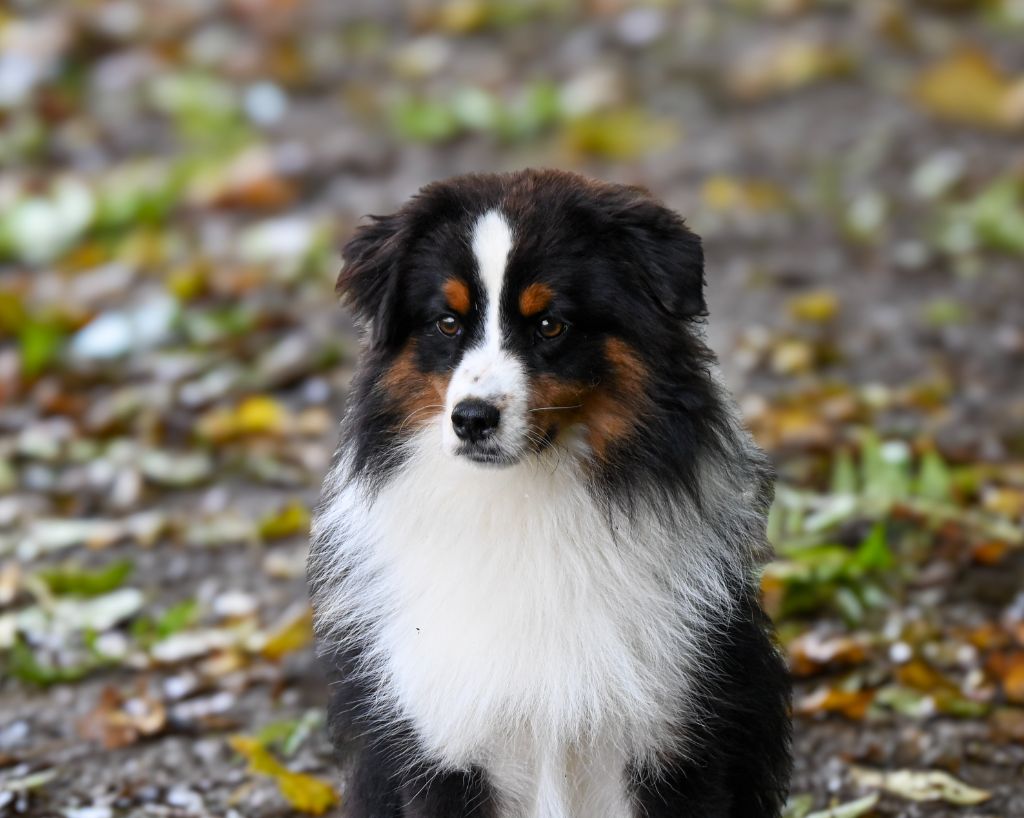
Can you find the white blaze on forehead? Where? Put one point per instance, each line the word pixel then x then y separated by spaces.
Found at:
pixel 492 243
pixel 486 371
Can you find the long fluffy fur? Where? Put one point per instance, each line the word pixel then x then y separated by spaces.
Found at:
pixel 575 635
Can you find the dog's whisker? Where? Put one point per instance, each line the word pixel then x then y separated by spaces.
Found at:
pixel 556 408
pixel 415 412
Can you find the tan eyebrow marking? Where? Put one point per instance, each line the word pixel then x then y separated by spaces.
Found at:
pixel 535 298
pixel 457 294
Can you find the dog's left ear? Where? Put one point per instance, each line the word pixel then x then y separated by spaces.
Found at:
pixel 668 256
pixel 369 280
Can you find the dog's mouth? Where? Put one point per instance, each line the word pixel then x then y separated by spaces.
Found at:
pixel 496 458
pixel 500 456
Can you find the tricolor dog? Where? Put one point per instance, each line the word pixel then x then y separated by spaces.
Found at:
pixel 534 565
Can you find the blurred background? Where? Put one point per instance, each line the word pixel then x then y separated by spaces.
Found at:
pixel 176 180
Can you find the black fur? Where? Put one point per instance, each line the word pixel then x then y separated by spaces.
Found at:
pixel 625 267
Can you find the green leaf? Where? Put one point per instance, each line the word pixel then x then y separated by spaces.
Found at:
pixel 844 475
pixel 288 736
pixel 849 606
pixel 176 618
pixel 22 664
pixel 72 580
pixel 998 216
pixel 40 343
pixel 874 553
pixel 798 806
pixel 423 120
pixel 934 481
pixel 851 809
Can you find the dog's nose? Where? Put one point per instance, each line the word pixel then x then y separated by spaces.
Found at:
pixel 474 419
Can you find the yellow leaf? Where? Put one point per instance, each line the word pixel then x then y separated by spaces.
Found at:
pixel 462 16
pixel 816 308
pixel 289 520
pixel 968 87
pixel 618 134
pixel 786 65
pixel 293 635
pixel 792 356
pixel 260 414
pixel 305 793
pixel 256 415
pixel 727 193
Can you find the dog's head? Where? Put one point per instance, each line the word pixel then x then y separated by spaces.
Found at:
pixel 521 311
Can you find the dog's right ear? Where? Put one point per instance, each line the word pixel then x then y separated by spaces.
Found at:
pixel 368 282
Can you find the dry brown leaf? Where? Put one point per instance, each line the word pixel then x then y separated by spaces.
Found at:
pixel 852 704
pixel 989 552
pixel 120 721
pixel 923 677
pixel 1008 724
pixel 1008 667
pixel 812 653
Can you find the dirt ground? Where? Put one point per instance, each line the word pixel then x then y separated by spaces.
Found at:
pixel 854 280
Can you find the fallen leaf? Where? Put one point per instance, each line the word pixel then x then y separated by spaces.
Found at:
pixel 304 792
pixel 256 415
pixel 989 552
pixel 728 193
pixel 921 676
pixel 1008 667
pixel 792 356
pixel 928 785
pixel 77 581
pixel 288 521
pixel 969 87
pixel 812 653
pixel 294 634
pixel 851 809
pixel 1008 724
pixel 819 307
pixel 786 65
pixel 23 664
pixel 29 782
pixel 120 721
pixel 852 704
pixel 1009 502
pixel 618 134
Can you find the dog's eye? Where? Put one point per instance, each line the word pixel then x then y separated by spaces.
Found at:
pixel 548 328
pixel 449 325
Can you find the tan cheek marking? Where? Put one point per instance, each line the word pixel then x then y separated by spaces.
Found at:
pixel 535 299
pixel 457 295
pixel 555 404
pixel 609 411
pixel 615 406
pixel 418 395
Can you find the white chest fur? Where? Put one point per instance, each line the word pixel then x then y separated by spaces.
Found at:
pixel 514 629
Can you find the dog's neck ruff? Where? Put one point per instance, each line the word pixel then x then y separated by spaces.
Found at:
pixel 517 621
